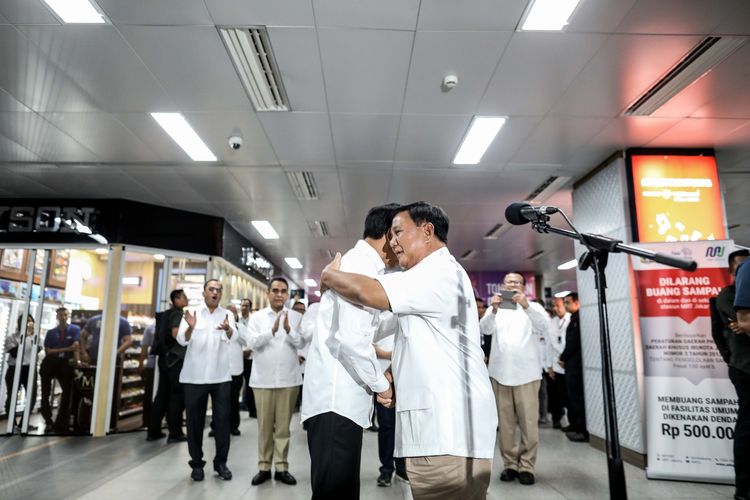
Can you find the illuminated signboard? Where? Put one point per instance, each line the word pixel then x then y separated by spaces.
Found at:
pixel 675 196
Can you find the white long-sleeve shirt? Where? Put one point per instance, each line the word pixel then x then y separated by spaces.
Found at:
pixel 275 363
pixel 207 359
pixel 343 370
pixel 514 358
pixel 556 340
pixel 236 358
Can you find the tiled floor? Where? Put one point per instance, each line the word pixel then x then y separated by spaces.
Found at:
pixel 126 466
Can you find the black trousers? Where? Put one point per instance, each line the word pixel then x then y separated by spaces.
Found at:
pixel 148 395
pixel 576 399
pixel 248 398
pixel 386 441
pixel 234 403
pixel 196 403
pixel 741 381
pixel 557 392
pixel 59 369
pixel 335 444
pixel 9 374
pixel 170 399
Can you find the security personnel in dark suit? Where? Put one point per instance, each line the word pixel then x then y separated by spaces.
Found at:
pixel 572 360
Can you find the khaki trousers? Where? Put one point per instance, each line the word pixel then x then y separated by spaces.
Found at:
pixel 275 407
pixel 449 477
pixel 518 406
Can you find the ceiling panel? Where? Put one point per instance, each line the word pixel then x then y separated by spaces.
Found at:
pixel 483 15
pixel 265 184
pixel 27 12
pixel 631 131
pixel 703 132
pixel 163 12
pixel 737 22
pixel 12 151
pixel 430 138
pixel 215 184
pixel 102 134
pixel 40 137
pixel 261 12
pixel 469 55
pixel 677 16
pixel 191 64
pixel 300 138
pixel 364 137
pixel 102 64
pixel 166 183
pixel 601 16
pixel 298 59
pixel 732 103
pixel 555 139
pixel 89 183
pixel 535 70
pixel 624 68
pixel 384 14
pixel 10 103
pixel 21 186
pixel 365 70
pixel 508 140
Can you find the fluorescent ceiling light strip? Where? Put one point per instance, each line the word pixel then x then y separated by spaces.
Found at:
pixel 293 262
pixel 568 265
pixel 265 229
pixel 560 295
pixel 310 282
pixel 76 11
pixel 549 15
pixel 481 133
pixel 183 134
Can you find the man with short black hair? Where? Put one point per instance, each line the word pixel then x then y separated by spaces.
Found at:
pixel 445 412
pixel 170 395
pixel 61 344
pixel 207 333
pixel 274 337
pixel 248 399
pixel 572 361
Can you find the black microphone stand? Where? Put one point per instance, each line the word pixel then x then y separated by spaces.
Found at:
pixel 598 249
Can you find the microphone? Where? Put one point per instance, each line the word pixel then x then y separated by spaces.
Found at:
pixel 519 213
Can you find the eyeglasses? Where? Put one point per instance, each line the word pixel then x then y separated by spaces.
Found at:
pixel 214 289
pixel 513 282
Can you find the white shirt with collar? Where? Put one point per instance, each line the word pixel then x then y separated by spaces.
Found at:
pixel 236 358
pixel 343 370
pixel 242 323
pixel 208 355
pixel 514 358
pixel 556 343
pixel 275 363
pixel 28 349
pixel 444 400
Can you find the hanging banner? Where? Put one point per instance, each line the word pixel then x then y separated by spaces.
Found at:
pixel 691 406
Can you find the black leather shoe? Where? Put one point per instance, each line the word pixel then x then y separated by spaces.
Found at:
pixel 384 480
pixel 526 478
pixel 223 472
pixel 177 439
pixel 578 437
pixel 155 438
pixel 567 428
pixel 261 477
pixel 508 475
pixel 235 432
pixel 197 474
pixel 285 478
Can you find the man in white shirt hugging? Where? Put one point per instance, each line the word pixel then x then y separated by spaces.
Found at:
pixel 207 333
pixel 445 415
pixel 273 336
pixel 516 377
pixel 343 371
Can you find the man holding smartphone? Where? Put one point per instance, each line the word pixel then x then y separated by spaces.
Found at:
pixel 516 325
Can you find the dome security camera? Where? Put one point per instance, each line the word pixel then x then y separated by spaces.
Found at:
pixel 235 142
pixel 450 81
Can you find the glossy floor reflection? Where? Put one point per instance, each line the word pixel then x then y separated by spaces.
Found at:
pixel 126 466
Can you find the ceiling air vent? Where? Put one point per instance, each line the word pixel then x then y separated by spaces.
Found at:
pixel 496 231
pixel 536 255
pixel 469 254
pixel 696 64
pixel 319 228
pixel 547 188
pixel 303 185
pixel 253 59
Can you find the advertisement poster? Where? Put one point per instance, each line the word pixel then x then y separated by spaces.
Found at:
pixel 691 406
pixel 677 197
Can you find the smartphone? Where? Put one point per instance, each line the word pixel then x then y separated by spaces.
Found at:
pixel 507 302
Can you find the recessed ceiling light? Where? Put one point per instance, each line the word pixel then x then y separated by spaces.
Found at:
pixel 310 282
pixel 102 251
pixel 76 11
pixel 560 295
pixel 159 256
pixel 548 15
pixel 568 265
pixel 183 134
pixel 265 229
pixel 293 262
pixel 481 133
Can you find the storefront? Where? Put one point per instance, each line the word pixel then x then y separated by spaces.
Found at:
pixel 55 255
